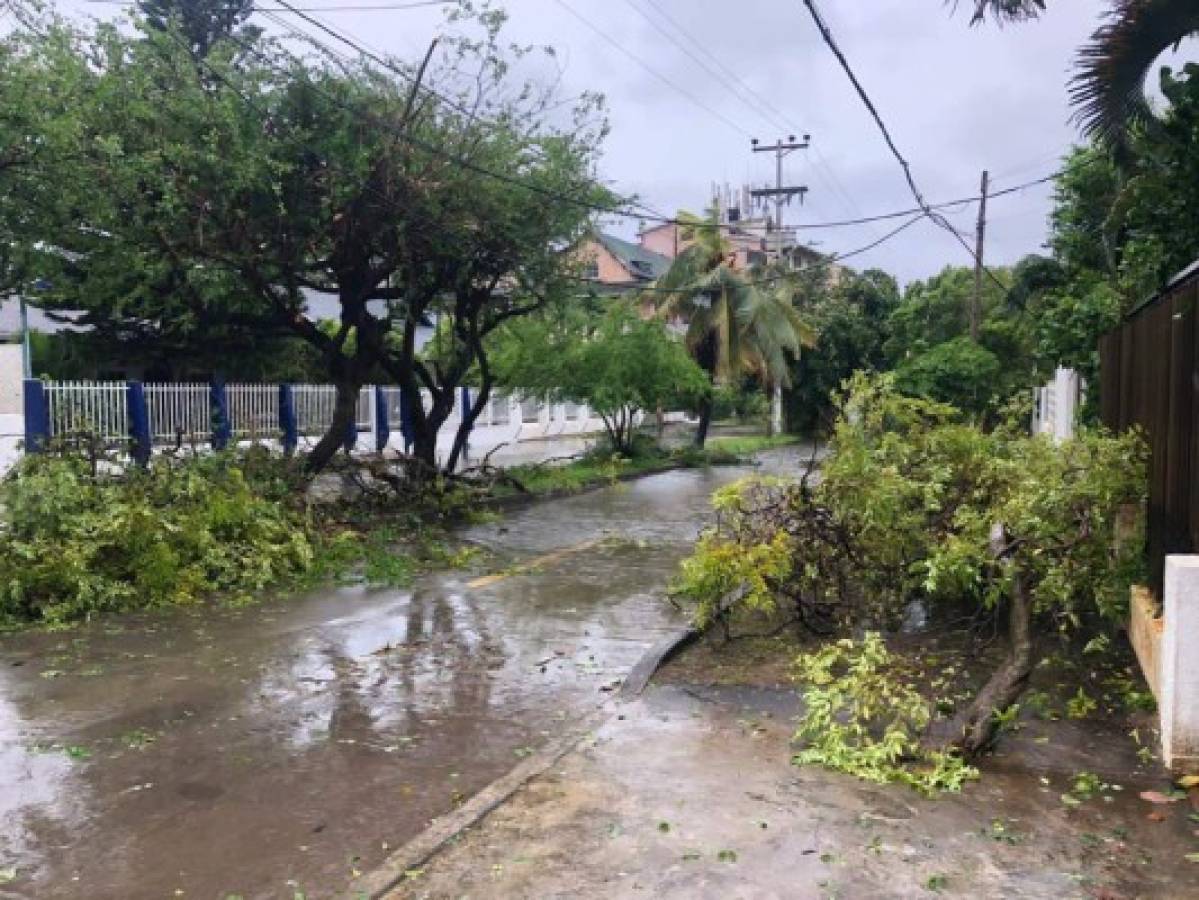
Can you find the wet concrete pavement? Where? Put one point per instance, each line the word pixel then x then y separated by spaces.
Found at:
pixel 690 794
pixel 281 749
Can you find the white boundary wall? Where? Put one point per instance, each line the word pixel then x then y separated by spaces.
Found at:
pixel 1167 646
pixel 12 435
pixel 12 421
pixel 1179 676
pixel 1056 404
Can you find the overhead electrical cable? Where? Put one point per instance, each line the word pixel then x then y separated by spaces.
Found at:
pixel 833 46
pixel 603 35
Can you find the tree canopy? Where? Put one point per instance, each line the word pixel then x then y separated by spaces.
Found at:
pixel 612 360
pixel 213 198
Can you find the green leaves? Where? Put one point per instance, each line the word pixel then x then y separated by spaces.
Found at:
pixel 614 361
pixel 861 718
pixel 904 513
pixel 76 544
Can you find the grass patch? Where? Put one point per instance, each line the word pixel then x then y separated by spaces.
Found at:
pixel 591 470
pixel 602 466
pixel 747 445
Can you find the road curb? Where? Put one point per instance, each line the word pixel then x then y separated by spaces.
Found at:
pixel 383 881
pixel 662 652
pixel 656 657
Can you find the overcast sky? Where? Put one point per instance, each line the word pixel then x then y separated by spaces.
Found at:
pixel 957 100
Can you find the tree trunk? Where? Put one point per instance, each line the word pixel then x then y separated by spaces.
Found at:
pixel 974 729
pixel 427 428
pixel 705 419
pixel 345 412
pixel 469 416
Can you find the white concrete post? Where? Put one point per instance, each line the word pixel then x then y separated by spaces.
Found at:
pixel 1065 387
pixel 1179 700
pixel 776 410
pixel 372 397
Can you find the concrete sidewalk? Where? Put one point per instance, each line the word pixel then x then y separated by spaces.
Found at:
pixel 690 793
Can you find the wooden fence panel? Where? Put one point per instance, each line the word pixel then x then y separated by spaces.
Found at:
pixel 1149 378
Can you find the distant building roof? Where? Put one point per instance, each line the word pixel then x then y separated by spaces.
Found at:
pixel 645 265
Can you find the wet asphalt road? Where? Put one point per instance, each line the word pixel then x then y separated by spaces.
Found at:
pixel 283 748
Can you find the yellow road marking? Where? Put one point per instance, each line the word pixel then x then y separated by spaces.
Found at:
pixel 534 563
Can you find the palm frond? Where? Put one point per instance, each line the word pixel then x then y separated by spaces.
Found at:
pixel 1108 88
pixel 1003 11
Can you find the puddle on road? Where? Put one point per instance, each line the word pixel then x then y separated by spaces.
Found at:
pixel 285 747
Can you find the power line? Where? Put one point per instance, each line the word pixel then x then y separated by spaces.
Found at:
pixel 606 210
pixel 724 77
pixel 831 42
pixel 761 101
pixel 350 41
pixel 837 257
pixel 650 69
pixel 923 211
pixel 357 45
pixel 769 279
pixel 761 104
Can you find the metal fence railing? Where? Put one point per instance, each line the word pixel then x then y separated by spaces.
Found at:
pixel 87 407
pixel 142 416
pixel 253 410
pixel 179 411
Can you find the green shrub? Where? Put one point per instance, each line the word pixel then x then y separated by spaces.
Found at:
pixel 73 543
pixel 862 718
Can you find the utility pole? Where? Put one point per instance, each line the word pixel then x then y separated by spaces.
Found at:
pixel 779 193
pixel 976 304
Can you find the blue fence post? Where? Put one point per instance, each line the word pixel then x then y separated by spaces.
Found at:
pixel 219 402
pixel 139 422
pixel 406 422
pixel 287 419
pixel 382 424
pixel 37 415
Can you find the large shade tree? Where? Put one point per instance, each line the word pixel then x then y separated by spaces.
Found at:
pixel 219 195
pixel 202 23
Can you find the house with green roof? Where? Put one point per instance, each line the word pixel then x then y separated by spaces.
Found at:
pixel 615 264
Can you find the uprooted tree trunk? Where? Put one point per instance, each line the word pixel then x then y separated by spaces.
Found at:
pixel 974 730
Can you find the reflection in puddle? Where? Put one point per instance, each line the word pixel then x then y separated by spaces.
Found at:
pixel 284 740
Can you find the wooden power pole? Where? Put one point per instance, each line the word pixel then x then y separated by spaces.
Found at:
pixel 976 303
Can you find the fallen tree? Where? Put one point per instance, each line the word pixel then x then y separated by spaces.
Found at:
pixel 916 505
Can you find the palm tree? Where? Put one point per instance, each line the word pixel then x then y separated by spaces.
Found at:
pixel 1108 88
pixel 735 324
